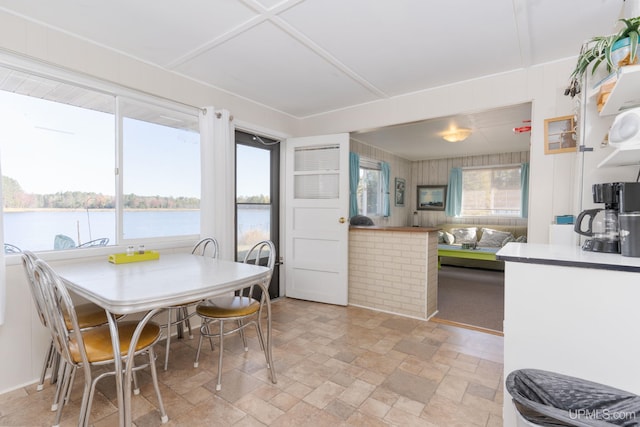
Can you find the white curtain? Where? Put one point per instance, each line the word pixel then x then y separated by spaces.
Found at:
pixel 3 276
pixel 217 202
pixel 207 157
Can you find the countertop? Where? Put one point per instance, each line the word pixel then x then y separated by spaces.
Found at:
pixel 404 229
pixel 566 255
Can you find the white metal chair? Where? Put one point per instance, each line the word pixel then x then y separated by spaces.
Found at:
pixel 205 247
pixel 61 241
pixel 84 349
pixel 245 307
pixel 52 359
pixel 89 316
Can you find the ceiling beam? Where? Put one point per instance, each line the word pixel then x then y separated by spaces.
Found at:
pixel 521 18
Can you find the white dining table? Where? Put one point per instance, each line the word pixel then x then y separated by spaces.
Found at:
pixel 150 286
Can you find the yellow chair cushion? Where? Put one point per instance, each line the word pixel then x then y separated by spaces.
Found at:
pixel 97 341
pixel 225 307
pixel 89 315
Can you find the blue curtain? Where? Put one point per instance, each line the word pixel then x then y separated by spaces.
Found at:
pixel 384 175
pixel 454 193
pixel 354 178
pixel 524 185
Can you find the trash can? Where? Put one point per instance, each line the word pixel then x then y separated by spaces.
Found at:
pixel 544 398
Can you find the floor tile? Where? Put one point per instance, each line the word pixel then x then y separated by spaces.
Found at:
pixel 336 366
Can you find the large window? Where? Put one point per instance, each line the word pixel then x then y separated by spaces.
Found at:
pixel 161 172
pixel 370 188
pixel 62 161
pixel 492 191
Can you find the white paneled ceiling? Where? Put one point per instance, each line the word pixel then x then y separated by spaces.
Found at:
pixel 307 57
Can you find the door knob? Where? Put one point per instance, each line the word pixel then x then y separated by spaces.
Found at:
pixel 342 220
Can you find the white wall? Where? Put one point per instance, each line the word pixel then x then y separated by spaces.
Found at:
pixel 551 176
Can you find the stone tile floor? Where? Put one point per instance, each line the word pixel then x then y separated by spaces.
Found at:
pixel 336 366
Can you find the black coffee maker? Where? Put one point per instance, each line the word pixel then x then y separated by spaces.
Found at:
pixel 629 218
pixel 608 232
pixel 603 223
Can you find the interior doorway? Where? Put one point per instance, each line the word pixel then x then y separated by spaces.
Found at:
pixel 257 196
pixel 471 298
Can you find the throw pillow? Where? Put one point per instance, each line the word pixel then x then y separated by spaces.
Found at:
pixel 508 239
pixel 465 235
pixel 440 236
pixel 522 239
pixel 493 238
pixel 449 239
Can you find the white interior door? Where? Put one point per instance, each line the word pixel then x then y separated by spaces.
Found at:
pixel 317 212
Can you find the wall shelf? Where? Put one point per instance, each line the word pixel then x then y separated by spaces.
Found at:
pixel 622 156
pixel 624 95
pixel 626 92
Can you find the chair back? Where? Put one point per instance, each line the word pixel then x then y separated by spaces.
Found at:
pixel 103 241
pixel 262 253
pixel 28 262
pixel 57 303
pixel 11 249
pixel 207 247
pixel 63 242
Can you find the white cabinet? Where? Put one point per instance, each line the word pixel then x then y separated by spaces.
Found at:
pixel 570 311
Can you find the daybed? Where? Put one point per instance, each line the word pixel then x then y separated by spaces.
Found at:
pixel 475 245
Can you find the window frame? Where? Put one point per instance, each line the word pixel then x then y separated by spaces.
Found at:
pixel 493 168
pixel 375 165
pixel 120 171
pixel 50 72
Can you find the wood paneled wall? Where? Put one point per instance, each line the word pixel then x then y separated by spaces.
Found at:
pixel 399 168
pixel 436 172
pixel 432 172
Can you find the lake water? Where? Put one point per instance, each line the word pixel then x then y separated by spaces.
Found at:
pixel 36 231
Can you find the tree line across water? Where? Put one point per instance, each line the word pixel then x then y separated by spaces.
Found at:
pixel 15 197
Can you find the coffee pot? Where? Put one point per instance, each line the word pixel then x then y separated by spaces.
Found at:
pixel 603 223
pixel 602 227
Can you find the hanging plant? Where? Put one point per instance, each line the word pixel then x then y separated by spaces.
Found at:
pixel 603 50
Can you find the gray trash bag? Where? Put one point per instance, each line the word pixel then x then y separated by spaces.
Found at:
pixel 551 399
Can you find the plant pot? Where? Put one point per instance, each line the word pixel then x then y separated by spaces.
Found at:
pixel 620 53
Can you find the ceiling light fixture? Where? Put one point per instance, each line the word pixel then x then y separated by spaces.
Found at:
pixel 456 135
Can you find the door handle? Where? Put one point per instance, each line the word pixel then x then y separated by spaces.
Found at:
pixel 342 220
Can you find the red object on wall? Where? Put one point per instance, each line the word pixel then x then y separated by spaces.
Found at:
pixel 522 129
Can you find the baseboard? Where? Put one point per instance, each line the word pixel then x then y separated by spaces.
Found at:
pixel 465 326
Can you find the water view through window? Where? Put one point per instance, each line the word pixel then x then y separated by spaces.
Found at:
pixel 253 200
pixel 60 171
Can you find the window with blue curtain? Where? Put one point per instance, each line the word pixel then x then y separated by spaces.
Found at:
pixel 454 193
pixel 488 191
pixel 354 179
pixel 524 185
pixel 384 175
pixel 369 187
